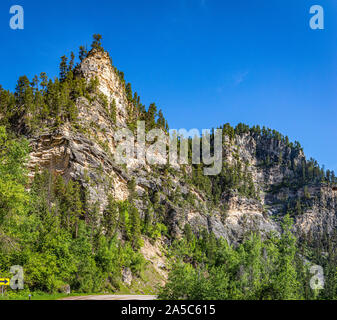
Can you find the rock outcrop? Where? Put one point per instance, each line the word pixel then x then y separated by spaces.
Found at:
pixel 85 152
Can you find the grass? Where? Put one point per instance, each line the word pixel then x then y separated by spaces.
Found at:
pixel 41 296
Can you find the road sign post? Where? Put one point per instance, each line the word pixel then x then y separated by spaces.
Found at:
pixel 4 282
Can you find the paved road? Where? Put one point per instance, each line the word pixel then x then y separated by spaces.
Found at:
pixel 113 297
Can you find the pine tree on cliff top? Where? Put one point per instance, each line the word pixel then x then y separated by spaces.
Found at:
pixel 97 44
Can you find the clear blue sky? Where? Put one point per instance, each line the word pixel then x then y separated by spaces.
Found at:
pixel 204 62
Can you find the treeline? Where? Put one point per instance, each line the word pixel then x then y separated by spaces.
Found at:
pixel 237 177
pixel 42 101
pixel 265 133
pixel 308 170
pixel 154 118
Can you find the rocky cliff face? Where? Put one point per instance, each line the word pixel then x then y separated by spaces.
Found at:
pixel 320 218
pixel 85 152
pixel 98 65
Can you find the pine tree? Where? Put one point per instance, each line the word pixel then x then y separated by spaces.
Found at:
pixel 280 158
pixel 148 221
pixel 35 83
pixel 188 232
pixel 21 90
pixel 135 227
pixel 113 111
pixel 82 53
pixel 132 189
pixel 111 218
pixel 161 122
pixel 76 206
pixel 44 80
pixel 25 101
pixel 63 68
pixel 287 285
pixel 96 44
pixel 298 207
pixel 72 61
pixel 151 117
pixel 128 91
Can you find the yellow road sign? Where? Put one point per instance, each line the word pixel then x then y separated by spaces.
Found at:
pixel 4 282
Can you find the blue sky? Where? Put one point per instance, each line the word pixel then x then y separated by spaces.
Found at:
pixel 204 62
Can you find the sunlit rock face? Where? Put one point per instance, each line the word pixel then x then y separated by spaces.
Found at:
pixel 85 153
pixel 98 65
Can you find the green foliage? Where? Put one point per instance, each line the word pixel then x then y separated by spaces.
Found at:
pixel 63 68
pixel 82 53
pixel 44 102
pixel 228 130
pixel 151 116
pixel 60 238
pixel 113 111
pixel 132 189
pixel 54 233
pixel 51 104
pixel 13 197
pixel 232 178
pixel 255 270
pixel 97 44
pixel 135 228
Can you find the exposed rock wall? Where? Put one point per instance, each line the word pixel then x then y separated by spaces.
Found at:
pixel 87 151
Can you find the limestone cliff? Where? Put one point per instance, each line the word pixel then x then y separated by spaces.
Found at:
pixel 85 152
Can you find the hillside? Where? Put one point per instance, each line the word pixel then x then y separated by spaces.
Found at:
pixel 71 123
